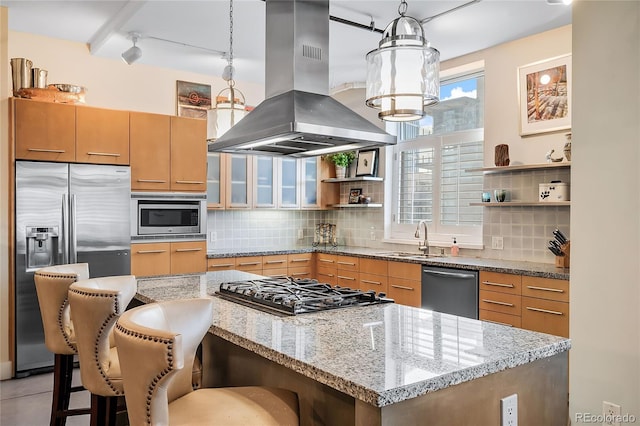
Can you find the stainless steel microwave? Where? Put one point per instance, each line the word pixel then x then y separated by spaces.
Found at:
pixel 168 215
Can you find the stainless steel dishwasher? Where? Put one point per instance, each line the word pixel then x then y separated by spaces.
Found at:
pixel 450 291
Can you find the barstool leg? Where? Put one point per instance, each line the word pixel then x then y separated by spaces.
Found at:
pixel 104 410
pixel 62 374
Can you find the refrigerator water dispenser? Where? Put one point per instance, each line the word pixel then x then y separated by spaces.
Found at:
pixel 42 246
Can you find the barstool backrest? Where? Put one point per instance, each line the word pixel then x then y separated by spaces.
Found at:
pixel 96 304
pixel 52 285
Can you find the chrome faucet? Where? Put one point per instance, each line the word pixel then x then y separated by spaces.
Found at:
pixel 423 246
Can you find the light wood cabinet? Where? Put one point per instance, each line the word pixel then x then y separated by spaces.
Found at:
pixel 300 265
pixel 326 268
pixel 545 305
pixel 405 283
pixel 251 264
pixel 102 136
pixel 373 275
pixel 185 257
pixel 188 154
pixel 221 264
pixel 44 130
pixel 239 178
pixel 499 298
pixel 216 180
pixel 347 271
pixel 150 149
pixel 275 265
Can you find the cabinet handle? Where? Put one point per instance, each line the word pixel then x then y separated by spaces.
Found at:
pixel 248 263
pixel 55 151
pixel 498 284
pixel 295 274
pixel 346 263
pixel 271 262
pixel 346 278
pixel 497 303
pixel 190 182
pixel 371 282
pixel 299 260
pixel 401 287
pixel 221 265
pixel 544 311
pixel 105 154
pixel 498 322
pixel 326 275
pixel 555 290
pixel 152 180
pixel 326 260
pixel 188 249
pixel 150 251
pixel 278 276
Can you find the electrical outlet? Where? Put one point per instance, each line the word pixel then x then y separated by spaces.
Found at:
pixel 611 413
pixel 213 236
pixel 509 410
pixel 496 243
pixel 300 234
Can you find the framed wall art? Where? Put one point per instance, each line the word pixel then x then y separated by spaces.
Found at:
pixel 354 195
pixel 544 91
pixel 367 163
pixel 193 100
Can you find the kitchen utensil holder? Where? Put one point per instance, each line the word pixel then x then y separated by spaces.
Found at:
pixel 563 261
pixel 325 234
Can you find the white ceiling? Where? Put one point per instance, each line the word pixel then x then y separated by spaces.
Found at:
pixel 104 25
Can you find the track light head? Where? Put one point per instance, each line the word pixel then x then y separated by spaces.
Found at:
pixel 133 53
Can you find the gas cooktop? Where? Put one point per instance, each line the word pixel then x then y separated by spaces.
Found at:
pixel 291 296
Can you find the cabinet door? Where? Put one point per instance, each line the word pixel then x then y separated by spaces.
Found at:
pixel 264 181
pixel 216 172
pixel 188 257
pixel 368 281
pixel 149 259
pixel 274 265
pixel 221 264
pixel 545 288
pixel 238 190
pixel 545 316
pixel 300 265
pixel 188 154
pixel 44 131
pixel 503 283
pixel 288 183
pixel 250 264
pixel 310 196
pixel 102 136
pixel 150 146
pixel 405 291
pixel 348 263
pixel 499 302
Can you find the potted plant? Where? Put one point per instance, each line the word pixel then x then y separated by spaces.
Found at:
pixel 341 160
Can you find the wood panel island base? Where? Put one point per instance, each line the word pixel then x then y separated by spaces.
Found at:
pixel 378 365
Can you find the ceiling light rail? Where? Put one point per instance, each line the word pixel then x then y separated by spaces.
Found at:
pixel 446 12
pixel 179 43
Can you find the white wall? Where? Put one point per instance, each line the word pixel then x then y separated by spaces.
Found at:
pixel 112 83
pixel 605 208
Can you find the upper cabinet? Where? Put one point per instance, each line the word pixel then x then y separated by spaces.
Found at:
pixel 216 185
pixel 102 136
pixel 44 130
pixel 168 153
pixel 70 133
pixel 239 186
pixel 188 154
pixel 150 151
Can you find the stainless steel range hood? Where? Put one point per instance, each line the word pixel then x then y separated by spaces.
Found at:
pixel 298 118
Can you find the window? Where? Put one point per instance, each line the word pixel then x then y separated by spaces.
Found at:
pixel 430 181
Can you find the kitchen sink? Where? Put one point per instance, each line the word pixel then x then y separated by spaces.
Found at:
pixel 409 255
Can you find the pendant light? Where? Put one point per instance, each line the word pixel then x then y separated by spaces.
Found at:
pixel 230 102
pixel 403 74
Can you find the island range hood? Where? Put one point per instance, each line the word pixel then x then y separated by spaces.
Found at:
pixel 298 118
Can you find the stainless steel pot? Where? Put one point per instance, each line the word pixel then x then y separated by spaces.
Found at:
pixel 21 73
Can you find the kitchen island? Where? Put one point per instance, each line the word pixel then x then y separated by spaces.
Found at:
pixel 381 364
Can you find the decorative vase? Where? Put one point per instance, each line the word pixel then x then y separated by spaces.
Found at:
pixel 567 147
pixel 502 155
pixel 340 172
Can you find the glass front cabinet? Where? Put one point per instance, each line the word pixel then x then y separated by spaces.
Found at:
pixel 216 172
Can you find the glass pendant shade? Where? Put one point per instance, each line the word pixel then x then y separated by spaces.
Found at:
pixel 403 74
pixel 229 109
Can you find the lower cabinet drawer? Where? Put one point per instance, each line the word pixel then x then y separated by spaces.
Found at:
pixel 299 272
pixel 275 272
pixel 221 264
pixel 405 292
pixel 499 302
pixel 327 275
pixel 150 259
pixel 377 283
pixel 545 316
pixel 249 263
pixel 500 318
pixel 347 279
pixel 188 257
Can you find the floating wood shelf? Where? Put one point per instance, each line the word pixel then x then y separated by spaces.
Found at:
pixel 354 179
pixel 352 206
pixel 523 204
pixel 520 167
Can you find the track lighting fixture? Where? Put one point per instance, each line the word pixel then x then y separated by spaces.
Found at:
pixel 133 53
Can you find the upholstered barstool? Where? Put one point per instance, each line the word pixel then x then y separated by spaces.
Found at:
pixel 52 284
pixel 95 305
pixel 157 345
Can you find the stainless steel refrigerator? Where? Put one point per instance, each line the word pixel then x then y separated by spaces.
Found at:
pixel 65 213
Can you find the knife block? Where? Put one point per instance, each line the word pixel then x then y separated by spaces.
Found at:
pixel 563 261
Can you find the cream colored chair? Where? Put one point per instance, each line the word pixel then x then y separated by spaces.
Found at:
pixel 52 284
pixel 96 304
pixel 157 344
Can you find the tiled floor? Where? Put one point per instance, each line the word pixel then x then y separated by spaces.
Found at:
pixel 27 401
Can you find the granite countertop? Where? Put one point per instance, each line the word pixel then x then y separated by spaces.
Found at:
pixel 545 270
pixel 380 354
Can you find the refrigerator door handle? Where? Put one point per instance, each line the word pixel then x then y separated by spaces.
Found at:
pixel 65 227
pixel 73 243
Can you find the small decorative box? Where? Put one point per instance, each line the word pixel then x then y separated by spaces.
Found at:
pixel 553 192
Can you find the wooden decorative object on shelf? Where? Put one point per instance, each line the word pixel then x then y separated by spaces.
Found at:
pixel 51 94
pixel 502 155
pixel 564 261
